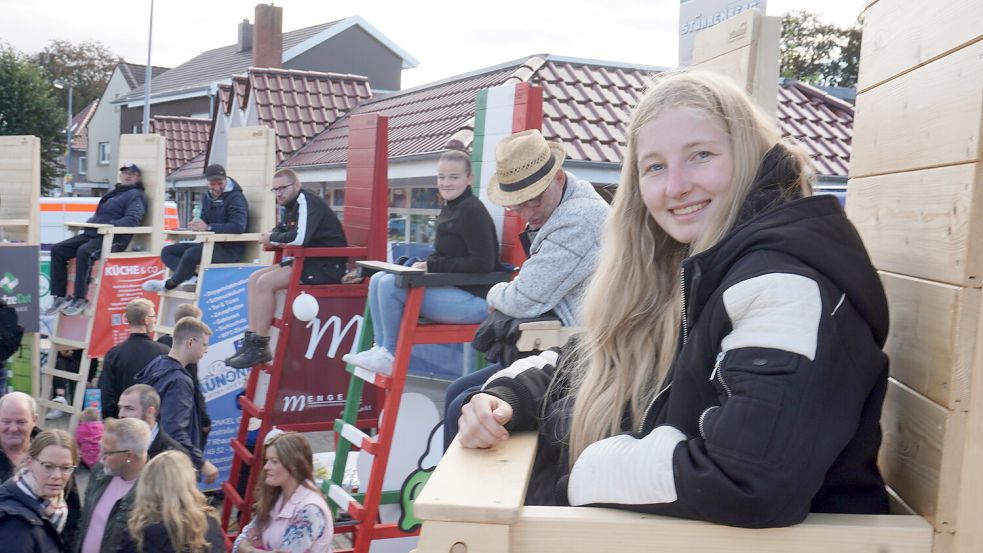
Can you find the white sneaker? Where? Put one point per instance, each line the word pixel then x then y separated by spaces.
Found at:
pixel 154 286
pixel 56 413
pixel 377 359
pixel 351 358
pixel 189 285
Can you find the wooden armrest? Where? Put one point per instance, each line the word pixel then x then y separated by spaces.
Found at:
pixel 125 230
pixel 541 325
pixel 186 233
pixel 388 267
pixel 346 251
pixel 542 335
pixel 15 223
pixel 243 237
pixel 479 485
pixel 87 225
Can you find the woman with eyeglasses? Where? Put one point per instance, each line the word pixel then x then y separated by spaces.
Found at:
pixel 466 242
pixel 33 511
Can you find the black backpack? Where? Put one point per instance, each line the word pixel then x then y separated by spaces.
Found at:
pixel 10 333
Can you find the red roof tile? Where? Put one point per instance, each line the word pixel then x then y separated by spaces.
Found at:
pixel 193 169
pixel 80 126
pixel 819 122
pixel 186 138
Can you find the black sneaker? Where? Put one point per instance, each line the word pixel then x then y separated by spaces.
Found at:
pixel 253 352
pixel 57 304
pixel 77 306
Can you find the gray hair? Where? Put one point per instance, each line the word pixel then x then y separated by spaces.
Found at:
pixel 131 434
pixel 32 404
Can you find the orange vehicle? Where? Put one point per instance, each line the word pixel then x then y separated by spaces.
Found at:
pixel 55 212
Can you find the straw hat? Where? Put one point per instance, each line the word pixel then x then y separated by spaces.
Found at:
pixel 525 165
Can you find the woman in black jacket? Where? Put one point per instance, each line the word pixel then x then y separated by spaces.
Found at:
pixel 170 510
pixel 33 511
pixel 731 369
pixel 466 242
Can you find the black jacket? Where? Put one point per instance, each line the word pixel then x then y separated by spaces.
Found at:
pixel 122 363
pixel 156 540
pixel 466 241
pixel 178 415
pixel 227 214
pixel 23 528
pixel 163 442
pixel 771 407
pixel 118 515
pixel 123 206
pixel 308 221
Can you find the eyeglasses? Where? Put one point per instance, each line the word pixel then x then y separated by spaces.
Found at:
pixel 108 453
pixel 528 204
pixel 51 468
pixel 279 189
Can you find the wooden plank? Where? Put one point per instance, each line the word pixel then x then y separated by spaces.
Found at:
pixel 147 151
pixel 935 213
pixel 461 537
pixel 969 533
pixel 252 163
pixel 933 337
pixel 921 454
pixel 20 182
pixel 588 529
pixel 902 35
pixel 479 485
pixel 929 117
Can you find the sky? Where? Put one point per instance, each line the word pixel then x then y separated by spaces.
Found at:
pixel 447 38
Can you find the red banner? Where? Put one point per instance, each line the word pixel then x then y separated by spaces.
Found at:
pixel 122 281
pixel 314 383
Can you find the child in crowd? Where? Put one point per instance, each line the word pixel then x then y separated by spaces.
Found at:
pixel 88 435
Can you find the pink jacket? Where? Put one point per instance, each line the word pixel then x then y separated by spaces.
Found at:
pixel 88 436
pixel 303 525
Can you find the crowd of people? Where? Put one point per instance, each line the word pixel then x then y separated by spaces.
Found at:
pixel 728 368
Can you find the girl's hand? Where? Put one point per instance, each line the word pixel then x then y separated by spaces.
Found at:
pixel 420 265
pixel 483 420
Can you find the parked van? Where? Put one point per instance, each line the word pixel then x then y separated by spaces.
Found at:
pixel 55 212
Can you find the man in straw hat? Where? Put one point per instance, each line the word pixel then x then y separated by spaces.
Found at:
pixel 563 217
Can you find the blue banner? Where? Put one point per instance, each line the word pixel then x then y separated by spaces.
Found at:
pixel 223 302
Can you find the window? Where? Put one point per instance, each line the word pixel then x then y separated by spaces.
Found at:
pixel 104 153
pixel 83 161
pixel 416 222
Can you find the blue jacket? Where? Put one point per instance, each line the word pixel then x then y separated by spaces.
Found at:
pixel 178 416
pixel 227 214
pixel 23 528
pixel 124 206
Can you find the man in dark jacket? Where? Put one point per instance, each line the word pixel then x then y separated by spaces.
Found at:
pixel 168 376
pixel 112 486
pixel 124 206
pixel 140 401
pixel 224 211
pixel 306 221
pixel 126 359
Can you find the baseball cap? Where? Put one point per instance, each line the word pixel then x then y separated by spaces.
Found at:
pixel 215 171
pixel 132 168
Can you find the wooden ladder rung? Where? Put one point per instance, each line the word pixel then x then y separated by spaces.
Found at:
pixel 344 501
pixel 75 344
pixel 68 408
pixel 373 378
pixel 355 436
pixel 74 377
pixel 243 452
pixel 180 294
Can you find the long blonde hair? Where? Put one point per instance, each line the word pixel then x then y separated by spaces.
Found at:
pixel 167 493
pixel 632 308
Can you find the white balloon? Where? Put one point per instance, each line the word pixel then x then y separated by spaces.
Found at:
pixel 305 307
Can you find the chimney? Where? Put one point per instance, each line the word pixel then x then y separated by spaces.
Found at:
pixel 245 41
pixel 268 36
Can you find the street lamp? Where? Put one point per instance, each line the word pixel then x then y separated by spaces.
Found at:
pixel 68 133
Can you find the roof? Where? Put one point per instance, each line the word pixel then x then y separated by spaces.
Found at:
pixel 134 74
pixel 218 64
pixel 193 169
pixel 819 122
pixel 186 138
pixel 586 105
pixel 80 126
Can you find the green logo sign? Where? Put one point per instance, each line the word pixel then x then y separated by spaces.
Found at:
pixel 9 282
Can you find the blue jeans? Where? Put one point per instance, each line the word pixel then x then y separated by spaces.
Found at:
pixel 441 304
pixel 458 391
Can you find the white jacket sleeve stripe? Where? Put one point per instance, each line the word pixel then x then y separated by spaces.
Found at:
pixel 533 362
pixel 777 311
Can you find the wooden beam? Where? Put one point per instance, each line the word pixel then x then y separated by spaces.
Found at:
pixel 20 187
pixel 921 454
pixel 930 117
pixel 900 35
pixel 463 537
pixel 933 337
pixel 925 223
pixel 147 151
pixel 969 533
pixel 251 161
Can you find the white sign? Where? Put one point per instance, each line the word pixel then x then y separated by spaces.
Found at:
pixel 697 15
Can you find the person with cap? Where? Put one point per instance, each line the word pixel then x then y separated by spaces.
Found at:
pixel 306 221
pixel 564 217
pixel 224 210
pixel 124 206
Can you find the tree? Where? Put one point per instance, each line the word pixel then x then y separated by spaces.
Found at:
pixel 86 65
pixel 28 106
pixel 818 53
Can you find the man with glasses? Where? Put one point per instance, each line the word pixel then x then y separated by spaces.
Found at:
pixel 170 379
pixel 306 221
pixel 112 486
pixel 224 210
pixel 127 358
pixel 564 217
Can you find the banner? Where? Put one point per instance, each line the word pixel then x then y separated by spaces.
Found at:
pixel 223 302
pixel 313 381
pixel 697 15
pixel 19 283
pixel 122 282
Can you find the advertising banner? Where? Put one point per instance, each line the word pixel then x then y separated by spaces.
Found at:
pixel 122 282
pixel 223 302
pixel 697 15
pixel 19 283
